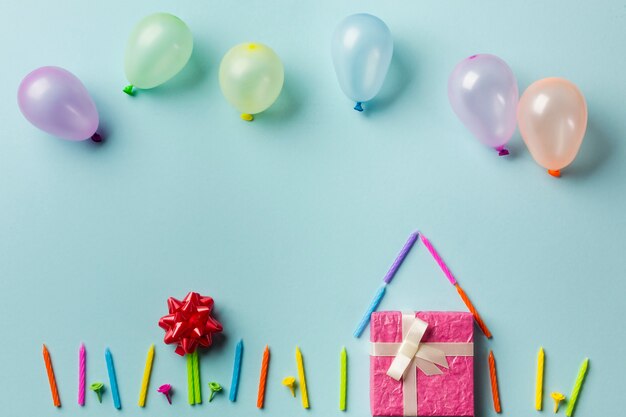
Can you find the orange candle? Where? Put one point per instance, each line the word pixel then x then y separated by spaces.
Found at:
pixel 263 379
pixel 494 383
pixel 472 309
pixel 51 379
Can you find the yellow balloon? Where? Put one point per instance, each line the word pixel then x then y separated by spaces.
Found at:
pixel 251 78
pixel 552 118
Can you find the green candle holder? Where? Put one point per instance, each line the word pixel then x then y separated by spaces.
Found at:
pixel 98 388
pixel 215 388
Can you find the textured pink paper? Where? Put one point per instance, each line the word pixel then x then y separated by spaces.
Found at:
pixel 450 394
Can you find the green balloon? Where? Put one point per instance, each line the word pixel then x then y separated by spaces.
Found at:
pixel 157 49
pixel 251 78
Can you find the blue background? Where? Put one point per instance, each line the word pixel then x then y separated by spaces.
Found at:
pixel 291 221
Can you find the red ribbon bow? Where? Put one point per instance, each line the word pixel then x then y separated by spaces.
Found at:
pixel 189 323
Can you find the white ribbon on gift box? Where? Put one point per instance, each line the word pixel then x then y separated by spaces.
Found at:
pixel 412 353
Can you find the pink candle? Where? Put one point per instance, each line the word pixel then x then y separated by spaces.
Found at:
pixel 82 361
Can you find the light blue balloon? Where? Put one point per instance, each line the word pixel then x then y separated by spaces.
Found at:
pixel 362 47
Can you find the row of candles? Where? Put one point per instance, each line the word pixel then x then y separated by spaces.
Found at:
pixel 193 379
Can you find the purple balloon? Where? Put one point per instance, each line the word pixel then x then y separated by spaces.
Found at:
pixel 483 93
pixel 54 100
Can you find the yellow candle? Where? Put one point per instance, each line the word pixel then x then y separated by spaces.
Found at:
pixel 343 379
pixel 539 384
pixel 302 379
pixel 146 377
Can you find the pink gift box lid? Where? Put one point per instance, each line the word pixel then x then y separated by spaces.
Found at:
pixel 449 394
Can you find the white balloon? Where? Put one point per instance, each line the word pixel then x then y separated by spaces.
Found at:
pixel 362 48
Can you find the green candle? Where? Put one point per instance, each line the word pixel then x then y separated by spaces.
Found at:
pixel 577 387
pixel 343 385
pixel 190 390
pixel 196 379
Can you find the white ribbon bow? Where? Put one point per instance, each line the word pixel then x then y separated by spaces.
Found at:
pixel 426 357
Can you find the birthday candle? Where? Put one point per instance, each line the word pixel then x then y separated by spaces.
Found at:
pixel 234 384
pixel 439 260
pixel 400 258
pixel 302 379
pixel 578 384
pixel 479 321
pixel 197 390
pixel 263 378
pixel 494 383
pixel 145 381
pixel 380 293
pixel 190 390
pixel 54 390
pixel 378 297
pixel 112 379
pixel 343 379
pixel 446 271
pixel 539 383
pixel 82 371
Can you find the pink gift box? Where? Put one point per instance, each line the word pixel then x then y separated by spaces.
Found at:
pixel 450 393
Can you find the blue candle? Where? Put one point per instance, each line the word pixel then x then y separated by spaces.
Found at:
pixel 112 379
pixel 378 297
pixel 234 384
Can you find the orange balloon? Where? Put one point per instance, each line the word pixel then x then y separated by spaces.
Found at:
pixel 552 118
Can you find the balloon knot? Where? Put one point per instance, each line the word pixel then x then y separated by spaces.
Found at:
pixel 96 137
pixel 358 106
pixel 502 151
pixel 129 89
pixel 554 172
pixel 247 117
